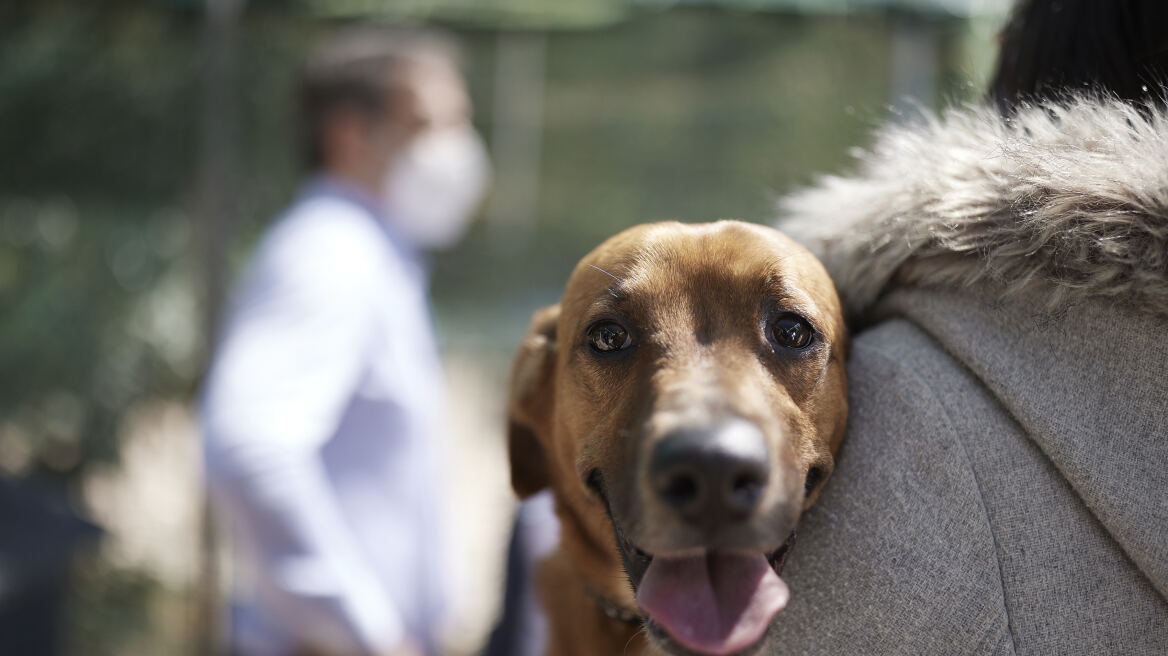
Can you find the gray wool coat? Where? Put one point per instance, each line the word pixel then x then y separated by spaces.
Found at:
pixel 1003 486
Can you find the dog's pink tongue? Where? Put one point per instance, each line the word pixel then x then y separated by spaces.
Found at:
pixel 715 603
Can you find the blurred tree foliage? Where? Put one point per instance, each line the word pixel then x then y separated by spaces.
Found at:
pixel 96 144
pixel 98 128
pixel 687 114
pixel 690 114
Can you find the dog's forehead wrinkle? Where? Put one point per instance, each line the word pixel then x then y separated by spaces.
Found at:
pixel 702 299
pixel 701 292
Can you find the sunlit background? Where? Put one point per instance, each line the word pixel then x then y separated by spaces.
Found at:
pixel 145 144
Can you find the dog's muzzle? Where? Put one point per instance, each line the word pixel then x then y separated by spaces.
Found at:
pixel 711 477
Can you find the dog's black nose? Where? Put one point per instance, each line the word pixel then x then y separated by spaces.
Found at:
pixel 712 475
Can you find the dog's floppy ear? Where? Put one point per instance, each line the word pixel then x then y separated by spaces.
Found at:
pixel 529 408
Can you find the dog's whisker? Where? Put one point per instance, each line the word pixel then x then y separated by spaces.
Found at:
pixel 607 274
pixel 644 629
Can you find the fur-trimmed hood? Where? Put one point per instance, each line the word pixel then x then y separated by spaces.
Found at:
pixel 1069 201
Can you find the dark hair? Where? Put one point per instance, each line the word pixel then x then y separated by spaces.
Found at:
pixel 1053 47
pixel 360 70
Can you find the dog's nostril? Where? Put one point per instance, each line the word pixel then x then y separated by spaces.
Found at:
pixel 744 492
pixel 680 489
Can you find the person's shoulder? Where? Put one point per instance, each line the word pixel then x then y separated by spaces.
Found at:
pixel 331 226
pixel 898 553
pixel 901 347
pixel 896 350
pixel 328 240
pixel 904 385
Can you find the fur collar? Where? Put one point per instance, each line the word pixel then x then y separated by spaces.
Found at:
pixel 1069 201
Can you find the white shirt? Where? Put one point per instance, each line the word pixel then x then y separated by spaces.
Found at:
pixel 321 420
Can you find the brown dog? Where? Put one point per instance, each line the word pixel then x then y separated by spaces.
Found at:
pixel 684 402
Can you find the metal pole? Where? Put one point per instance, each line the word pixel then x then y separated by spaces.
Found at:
pixel 218 207
pixel 516 137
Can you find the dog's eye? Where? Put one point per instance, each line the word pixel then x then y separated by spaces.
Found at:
pixel 609 337
pixel 792 331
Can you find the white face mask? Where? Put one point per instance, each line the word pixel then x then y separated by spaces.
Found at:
pixel 431 190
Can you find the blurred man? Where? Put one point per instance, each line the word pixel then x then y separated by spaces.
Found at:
pixel 322 409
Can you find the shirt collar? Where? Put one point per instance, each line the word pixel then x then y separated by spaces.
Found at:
pixel 324 184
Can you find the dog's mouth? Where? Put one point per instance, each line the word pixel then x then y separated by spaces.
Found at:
pixel 707 602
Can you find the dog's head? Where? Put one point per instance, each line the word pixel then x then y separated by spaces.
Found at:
pixel 685 402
